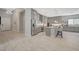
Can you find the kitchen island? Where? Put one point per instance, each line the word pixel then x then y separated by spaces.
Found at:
pixel 51 31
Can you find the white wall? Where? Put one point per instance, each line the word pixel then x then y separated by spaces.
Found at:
pixel 15 19
pixel 27 19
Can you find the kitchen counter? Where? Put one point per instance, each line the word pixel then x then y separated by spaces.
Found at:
pixel 51 31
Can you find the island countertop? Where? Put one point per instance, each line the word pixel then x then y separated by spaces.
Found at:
pixel 51 31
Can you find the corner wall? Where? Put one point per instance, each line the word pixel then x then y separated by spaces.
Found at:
pixel 28 22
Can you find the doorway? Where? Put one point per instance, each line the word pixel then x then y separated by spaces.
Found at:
pixel 22 22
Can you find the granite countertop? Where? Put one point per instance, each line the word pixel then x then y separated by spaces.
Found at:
pixel 52 27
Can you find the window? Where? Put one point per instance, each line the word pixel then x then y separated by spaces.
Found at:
pixel 73 22
pixel 76 21
pixel 70 22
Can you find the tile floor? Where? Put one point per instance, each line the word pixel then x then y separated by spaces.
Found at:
pixel 13 41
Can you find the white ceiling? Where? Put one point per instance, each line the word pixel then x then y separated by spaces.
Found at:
pixel 6 10
pixel 50 12
pixel 10 10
